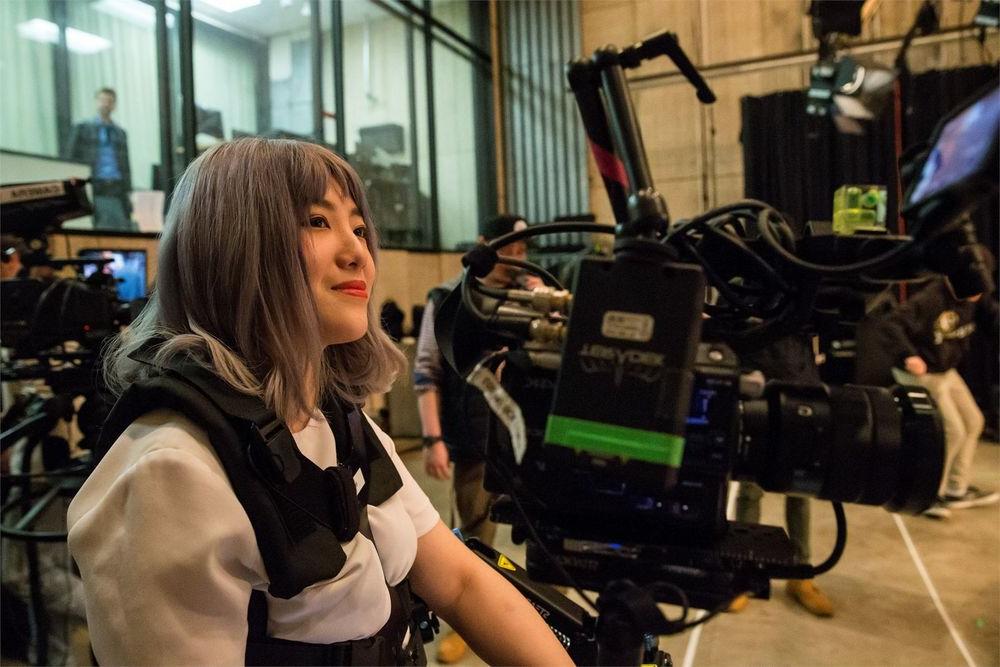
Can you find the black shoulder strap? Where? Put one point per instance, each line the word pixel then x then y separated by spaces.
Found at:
pixel 300 513
pixel 296 549
pixel 356 438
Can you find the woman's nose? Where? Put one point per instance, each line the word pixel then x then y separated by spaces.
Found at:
pixel 353 251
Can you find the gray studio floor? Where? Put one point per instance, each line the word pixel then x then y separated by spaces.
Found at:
pixel 908 591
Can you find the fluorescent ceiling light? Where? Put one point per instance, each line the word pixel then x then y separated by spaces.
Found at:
pixel 78 41
pixel 85 42
pixel 230 6
pixel 39 30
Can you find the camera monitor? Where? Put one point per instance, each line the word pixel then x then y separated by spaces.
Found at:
pixel 128 266
pixel 960 167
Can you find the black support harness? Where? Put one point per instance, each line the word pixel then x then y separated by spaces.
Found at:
pixel 300 513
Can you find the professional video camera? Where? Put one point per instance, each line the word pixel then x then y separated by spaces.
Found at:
pixel 624 412
pixel 42 313
pixel 52 331
pixel 53 327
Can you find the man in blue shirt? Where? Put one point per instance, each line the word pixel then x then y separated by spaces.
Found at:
pixel 104 146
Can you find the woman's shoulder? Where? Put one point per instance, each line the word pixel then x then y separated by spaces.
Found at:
pixel 159 430
pixel 158 440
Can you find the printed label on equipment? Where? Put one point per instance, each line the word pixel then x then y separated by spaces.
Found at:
pixel 627 326
pixel 17 193
pixel 505 563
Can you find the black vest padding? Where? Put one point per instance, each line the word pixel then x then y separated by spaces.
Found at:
pixel 299 512
pixel 385 648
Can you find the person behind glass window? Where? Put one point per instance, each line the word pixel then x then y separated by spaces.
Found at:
pixel 103 144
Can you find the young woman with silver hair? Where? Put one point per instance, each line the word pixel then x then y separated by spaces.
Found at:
pixel 196 549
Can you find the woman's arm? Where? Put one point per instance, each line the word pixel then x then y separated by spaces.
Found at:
pixel 500 625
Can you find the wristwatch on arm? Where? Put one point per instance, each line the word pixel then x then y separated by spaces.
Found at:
pixel 431 440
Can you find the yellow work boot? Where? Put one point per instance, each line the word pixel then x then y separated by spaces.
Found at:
pixel 738 604
pixel 451 649
pixel 807 594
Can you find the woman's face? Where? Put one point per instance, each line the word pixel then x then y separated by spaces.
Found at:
pixel 339 266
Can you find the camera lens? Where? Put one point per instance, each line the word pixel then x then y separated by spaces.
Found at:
pixel 852 444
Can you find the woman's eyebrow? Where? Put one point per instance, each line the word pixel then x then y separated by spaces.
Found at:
pixel 326 203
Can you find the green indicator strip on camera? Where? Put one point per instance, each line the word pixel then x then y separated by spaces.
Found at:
pixel 612 440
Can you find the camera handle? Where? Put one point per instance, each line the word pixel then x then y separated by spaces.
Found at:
pixel 613 130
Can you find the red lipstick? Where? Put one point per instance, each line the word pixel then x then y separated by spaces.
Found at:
pixel 357 288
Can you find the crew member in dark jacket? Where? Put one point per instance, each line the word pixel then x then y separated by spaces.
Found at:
pixel 454 415
pixel 104 146
pixel 932 331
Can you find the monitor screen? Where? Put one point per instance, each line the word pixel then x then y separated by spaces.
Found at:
pixel 127 266
pixel 961 149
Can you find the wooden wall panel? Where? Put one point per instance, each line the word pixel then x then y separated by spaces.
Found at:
pixel 685 197
pixel 671 127
pixel 744 29
pixel 624 22
pixel 679 17
pixel 607 22
pixel 406 277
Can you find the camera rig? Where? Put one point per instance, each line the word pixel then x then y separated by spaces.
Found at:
pixel 621 411
pixel 52 331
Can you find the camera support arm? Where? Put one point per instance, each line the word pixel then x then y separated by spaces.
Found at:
pixel 613 131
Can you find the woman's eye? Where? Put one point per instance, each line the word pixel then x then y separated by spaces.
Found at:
pixel 361 232
pixel 317 222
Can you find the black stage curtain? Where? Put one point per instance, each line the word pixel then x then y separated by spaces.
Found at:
pixel 795 162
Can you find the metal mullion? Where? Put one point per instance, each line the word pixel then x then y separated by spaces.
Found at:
pixel 483 116
pixel 549 111
pixel 565 121
pixel 534 30
pixel 580 152
pixel 61 78
pixel 431 134
pixel 317 69
pixel 434 23
pixel 411 80
pixel 337 55
pixel 513 39
pixel 189 125
pixel 166 108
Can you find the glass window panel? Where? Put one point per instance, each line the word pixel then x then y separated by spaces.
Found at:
pixel 454 14
pixel 28 110
pixel 331 70
pixel 379 123
pixel 114 111
pixel 253 69
pixel 456 116
pixel 117 52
